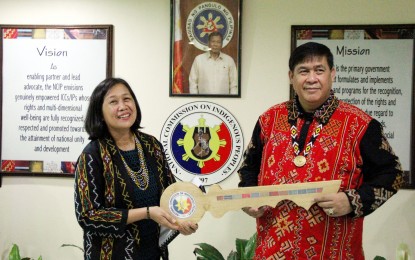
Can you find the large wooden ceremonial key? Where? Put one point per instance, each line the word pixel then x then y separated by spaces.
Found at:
pixel 188 203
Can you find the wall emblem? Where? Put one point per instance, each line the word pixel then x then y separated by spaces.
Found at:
pixel 202 139
pixel 206 18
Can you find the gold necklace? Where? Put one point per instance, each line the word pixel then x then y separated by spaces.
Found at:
pixel 139 177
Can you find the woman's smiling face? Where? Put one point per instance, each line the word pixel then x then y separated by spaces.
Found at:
pixel 119 109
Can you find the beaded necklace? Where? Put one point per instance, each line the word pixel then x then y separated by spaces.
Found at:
pixel 139 177
pixel 300 160
pixel 322 114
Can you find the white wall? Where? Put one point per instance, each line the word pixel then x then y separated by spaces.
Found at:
pixel 38 213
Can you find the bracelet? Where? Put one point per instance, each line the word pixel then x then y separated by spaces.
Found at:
pixel 148 213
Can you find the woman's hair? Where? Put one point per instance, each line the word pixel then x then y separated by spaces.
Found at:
pixel 95 125
pixel 310 50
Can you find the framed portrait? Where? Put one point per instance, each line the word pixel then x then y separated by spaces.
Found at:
pixel 375 71
pixel 48 73
pixel 205 51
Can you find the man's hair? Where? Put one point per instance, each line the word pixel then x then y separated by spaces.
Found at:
pixel 94 119
pixel 215 34
pixel 308 51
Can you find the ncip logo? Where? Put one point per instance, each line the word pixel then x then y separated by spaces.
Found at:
pixel 202 139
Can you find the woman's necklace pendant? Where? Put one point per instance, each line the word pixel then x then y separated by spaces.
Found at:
pixel 300 160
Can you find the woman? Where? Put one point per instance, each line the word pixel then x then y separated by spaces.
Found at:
pixel 120 176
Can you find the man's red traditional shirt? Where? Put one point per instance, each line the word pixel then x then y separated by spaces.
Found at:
pixel 350 147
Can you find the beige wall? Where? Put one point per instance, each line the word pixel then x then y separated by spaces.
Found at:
pixel 38 213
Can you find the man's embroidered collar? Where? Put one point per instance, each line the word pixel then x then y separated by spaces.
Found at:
pixel 322 114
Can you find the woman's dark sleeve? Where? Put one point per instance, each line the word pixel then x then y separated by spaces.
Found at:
pixel 90 209
pixel 249 171
pixel 168 177
pixel 381 172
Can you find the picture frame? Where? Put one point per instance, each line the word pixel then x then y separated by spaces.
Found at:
pixel 192 21
pixel 48 73
pixel 374 71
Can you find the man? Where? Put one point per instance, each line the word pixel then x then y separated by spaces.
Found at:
pixel 213 72
pixel 317 137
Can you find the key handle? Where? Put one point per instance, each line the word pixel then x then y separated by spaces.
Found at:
pixel 188 203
